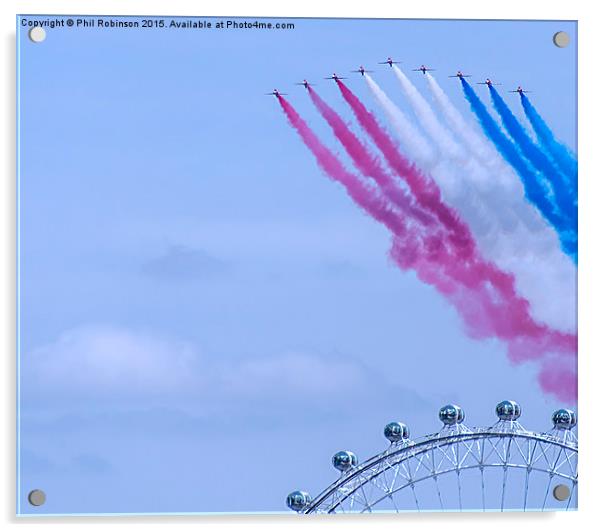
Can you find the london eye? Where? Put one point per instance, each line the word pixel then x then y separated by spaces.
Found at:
pixel 502 467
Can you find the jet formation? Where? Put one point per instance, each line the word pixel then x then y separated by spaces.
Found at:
pixel 422 68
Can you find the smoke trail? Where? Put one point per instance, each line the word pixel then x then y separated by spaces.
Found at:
pixel 367 163
pixel 367 198
pixel 424 188
pixel 479 148
pixel 561 154
pixel 427 118
pixel 559 378
pixel 564 199
pixel 533 188
pixel 413 249
pixel 510 231
pixel 406 236
pixel 503 315
pixel 475 270
pixel 419 149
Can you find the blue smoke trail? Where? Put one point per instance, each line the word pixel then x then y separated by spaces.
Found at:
pixel 534 190
pixel 565 199
pixel 564 158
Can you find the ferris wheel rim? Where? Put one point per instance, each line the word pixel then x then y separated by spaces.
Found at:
pixel 451 470
pixel 430 442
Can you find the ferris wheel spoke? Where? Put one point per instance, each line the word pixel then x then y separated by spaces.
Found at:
pixel 433 471
pixel 393 503
pixel 403 472
pixel 526 489
pixel 366 500
pixel 519 448
pixel 547 452
pixel 438 492
pixel 572 463
pixel 475 451
pixel 480 461
pixel 568 502
pixel 439 469
pixel 497 445
pixel 415 498
pixel 506 460
pixel 468 451
pixel 482 469
pixel 450 456
pixel 410 481
pixel 563 459
pixel 420 463
pixel 459 490
pixel 545 497
pixel 528 462
pixel 505 478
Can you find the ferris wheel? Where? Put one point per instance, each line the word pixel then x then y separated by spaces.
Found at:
pixel 503 467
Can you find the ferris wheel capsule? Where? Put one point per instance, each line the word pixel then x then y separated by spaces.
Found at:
pixel 344 461
pixel 508 410
pixel 396 431
pixel 384 481
pixel 564 419
pixel 451 414
pixel 298 500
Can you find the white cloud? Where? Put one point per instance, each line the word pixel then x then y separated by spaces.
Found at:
pixel 292 373
pixel 106 360
pixel 107 364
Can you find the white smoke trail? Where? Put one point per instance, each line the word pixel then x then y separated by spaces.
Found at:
pixel 488 168
pixel 428 119
pixel 508 229
pixel 417 146
pixel 456 122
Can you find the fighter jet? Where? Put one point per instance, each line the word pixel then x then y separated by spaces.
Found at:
pixel 460 75
pixel 276 93
pixel 335 77
pixel 487 82
pixel 520 90
pixel 305 83
pixel 389 62
pixel 361 70
pixel 423 69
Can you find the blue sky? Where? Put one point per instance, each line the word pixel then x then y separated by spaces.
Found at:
pixel 205 318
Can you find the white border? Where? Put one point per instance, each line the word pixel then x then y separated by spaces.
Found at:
pixel 589 253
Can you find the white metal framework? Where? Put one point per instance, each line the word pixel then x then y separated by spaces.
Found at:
pixel 502 467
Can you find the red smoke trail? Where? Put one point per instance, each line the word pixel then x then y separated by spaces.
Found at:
pixel 368 198
pixel 484 296
pixel 559 379
pixel 367 163
pixel 509 314
pixel 488 310
pixel 510 321
pixel 408 235
pixel 424 188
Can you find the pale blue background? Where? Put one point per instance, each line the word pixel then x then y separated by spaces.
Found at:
pixel 167 209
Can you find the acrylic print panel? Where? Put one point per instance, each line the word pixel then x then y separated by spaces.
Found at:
pixel 232 279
